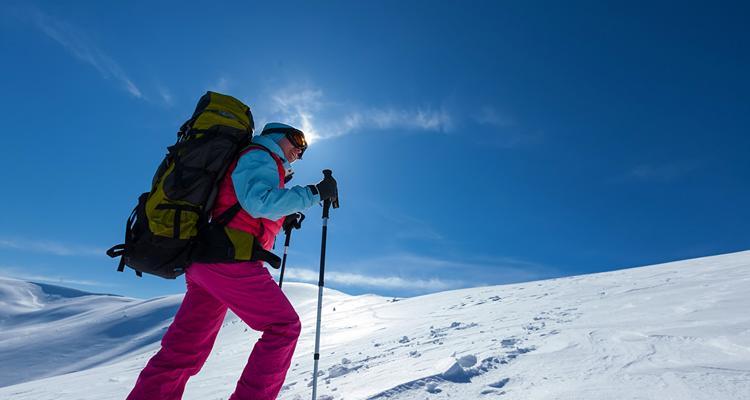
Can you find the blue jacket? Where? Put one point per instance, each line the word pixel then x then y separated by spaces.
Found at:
pixel 256 184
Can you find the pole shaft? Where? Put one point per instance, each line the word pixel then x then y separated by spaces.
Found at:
pixel 283 261
pixel 323 253
pixel 316 356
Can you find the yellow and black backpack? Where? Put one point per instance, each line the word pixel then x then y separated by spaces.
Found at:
pixel 164 230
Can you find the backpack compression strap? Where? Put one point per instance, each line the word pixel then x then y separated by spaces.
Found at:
pixel 119 250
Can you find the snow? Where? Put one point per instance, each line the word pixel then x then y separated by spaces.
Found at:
pixel 672 331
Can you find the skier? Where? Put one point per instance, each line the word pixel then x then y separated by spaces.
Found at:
pixel 256 181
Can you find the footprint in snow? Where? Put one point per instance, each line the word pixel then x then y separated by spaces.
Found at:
pixel 467 361
pixel 500 384
pixel 461 326
pixel 534 326
pixel 462 370
pixel 337 370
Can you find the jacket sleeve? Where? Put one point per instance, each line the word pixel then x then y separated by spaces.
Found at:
pixel 256 184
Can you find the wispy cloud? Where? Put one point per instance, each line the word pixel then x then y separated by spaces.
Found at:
pixel 50 247
pixel 507 132
pixel 373 281
pixel 78 44
pixel 321 118
pixel 474 271
pixel 419 273
pixel 165 94
pixel 222 84
pixel 517 268
pixel 487 115
pixel 17 273
pixel 424 119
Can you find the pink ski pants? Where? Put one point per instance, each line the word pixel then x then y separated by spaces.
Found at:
pixel 250 292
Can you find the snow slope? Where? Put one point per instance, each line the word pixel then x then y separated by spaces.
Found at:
pixel 48 330
pixel 672 331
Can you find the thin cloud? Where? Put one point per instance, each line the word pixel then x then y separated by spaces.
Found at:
pixel 373 281
pixel 477 271
pixel 488 115
pixel 507 132
pixel 323 119
pixel 298 108
pixel 166 95
pixel 82 48
pixel 13 272
pixel 410 269
pixel 424 119
pixel 422 261
pixel 220 85
pixel 50 247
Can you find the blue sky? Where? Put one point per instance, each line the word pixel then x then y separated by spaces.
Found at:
pixel 475 143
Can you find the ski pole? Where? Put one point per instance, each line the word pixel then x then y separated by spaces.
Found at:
pixel 288 233
pixel 316 356
pixel 293 221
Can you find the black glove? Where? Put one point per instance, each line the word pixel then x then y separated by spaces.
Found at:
pixel 327 188
pixel 293 221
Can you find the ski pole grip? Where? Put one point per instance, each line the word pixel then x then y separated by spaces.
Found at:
pixel 334 202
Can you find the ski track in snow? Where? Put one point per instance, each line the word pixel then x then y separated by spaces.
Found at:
pixel 672 331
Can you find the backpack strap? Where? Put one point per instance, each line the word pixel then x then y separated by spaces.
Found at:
pixel 279 163
pixel 215 243
pixel 228 214
pixel 225 217
pixel 119 250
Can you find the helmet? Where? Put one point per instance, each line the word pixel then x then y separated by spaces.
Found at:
pixel 296 137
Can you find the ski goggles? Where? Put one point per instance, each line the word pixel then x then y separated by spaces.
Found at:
pixel 296 137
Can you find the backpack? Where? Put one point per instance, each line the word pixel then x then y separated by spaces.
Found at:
pixel 172 222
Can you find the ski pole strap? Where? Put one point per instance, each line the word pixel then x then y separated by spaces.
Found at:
pixel 228 214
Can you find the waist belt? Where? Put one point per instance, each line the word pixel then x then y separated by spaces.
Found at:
pixel 220 243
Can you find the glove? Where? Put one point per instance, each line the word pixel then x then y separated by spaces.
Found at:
pixel 293 221
pixel 327 188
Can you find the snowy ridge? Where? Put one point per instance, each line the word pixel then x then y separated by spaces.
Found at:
pixel 673 331
pixel 48 330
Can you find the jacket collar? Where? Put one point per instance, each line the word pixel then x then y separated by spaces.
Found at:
pixel 268 143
